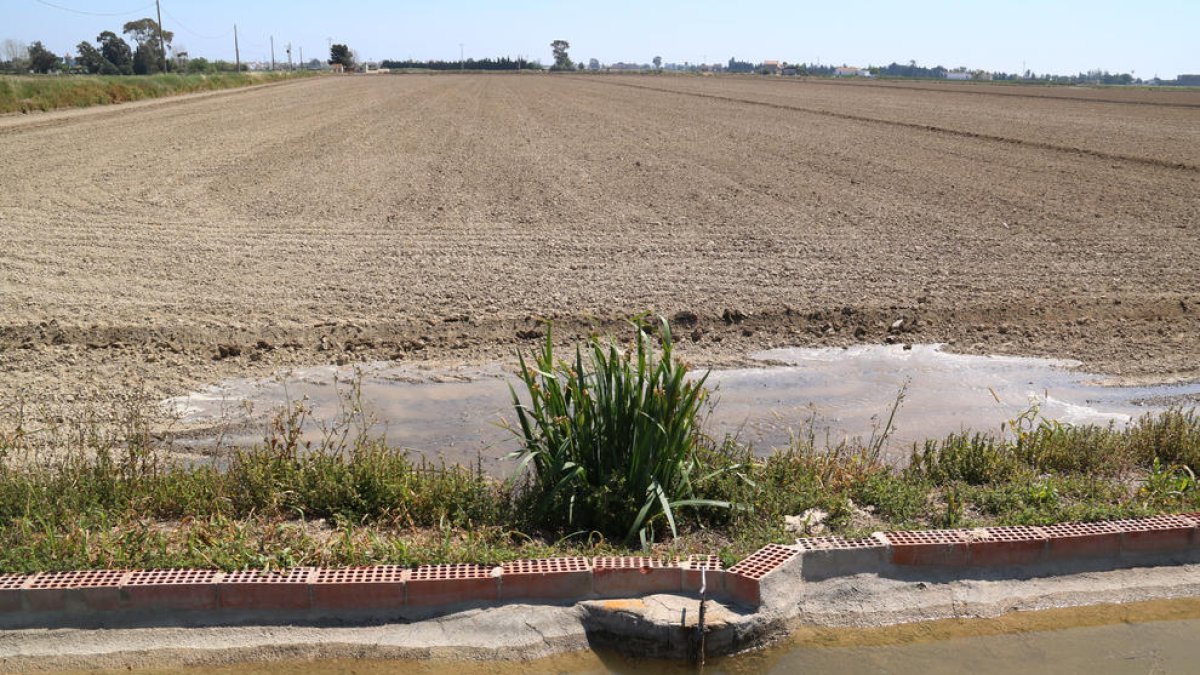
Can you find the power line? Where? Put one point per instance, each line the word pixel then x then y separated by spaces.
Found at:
pixel 85 13
pixel 189 31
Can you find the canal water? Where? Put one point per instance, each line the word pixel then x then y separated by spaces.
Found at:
pixel 458 414
pixel 1149 637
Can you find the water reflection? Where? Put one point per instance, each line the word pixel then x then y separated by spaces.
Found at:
pixel 457 414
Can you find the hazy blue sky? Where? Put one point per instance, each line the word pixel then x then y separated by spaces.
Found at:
pixel 1149 37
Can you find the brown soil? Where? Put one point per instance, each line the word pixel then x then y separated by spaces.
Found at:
pixel 438 218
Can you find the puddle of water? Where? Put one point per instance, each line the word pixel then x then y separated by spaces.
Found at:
pixel 456 414
pixel 1149 637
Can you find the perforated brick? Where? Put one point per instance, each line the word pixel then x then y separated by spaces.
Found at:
pixel 449 572
pixel 12 581
pixel 1082 540
pixel 546 566
pixel 935 548
pixel 1194 516
pixel 85 579
pixel 704 571
pixel 633 576
pixel 1158 534
pixel 1009 533
pixel 299 575
pixel 1008 546
pixel 836 544
pixel 1153 523
pixel 172 577
pixel 764 561
pixel 926 537
pixel 632 562
pixel 273 590
pixel 360 575
pixel 1060 530
pixel 549 579
pixel 703 562
pixel 359 588
pixel 445 585
pixel 179 589
pixel 10 591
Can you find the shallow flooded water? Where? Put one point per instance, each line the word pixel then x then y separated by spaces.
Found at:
pixel 457 414
pixel 1149 637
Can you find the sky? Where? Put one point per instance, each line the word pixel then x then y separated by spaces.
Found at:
pixel 1146 37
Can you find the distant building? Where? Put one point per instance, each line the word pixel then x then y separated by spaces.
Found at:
pixel 968 75
pixel 769 67
pixel 848 71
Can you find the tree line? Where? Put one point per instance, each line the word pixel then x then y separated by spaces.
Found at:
pixel 142 51
pixel 501 63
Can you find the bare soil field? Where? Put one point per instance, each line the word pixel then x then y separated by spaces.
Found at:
pixel 151 249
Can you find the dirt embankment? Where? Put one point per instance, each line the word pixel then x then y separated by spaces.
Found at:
pixel 438 218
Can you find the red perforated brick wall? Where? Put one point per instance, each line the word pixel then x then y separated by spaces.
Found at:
pixel 359 588
pixel 550 579
pixel 255 590
pixel 836 544
pixel 430 585
pixel 632 576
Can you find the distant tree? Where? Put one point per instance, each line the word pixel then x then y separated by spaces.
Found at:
pixel 116 51
pixel 341 54
pixel 594 64
pixel 149 57
pixel 147 60
pixel 16 54
pixel 89 58
pixel 658 63
pixel 562 61
pixel 199 65
pixel 736 66
pixel 15 50
pixel 227 66
pixel 42 60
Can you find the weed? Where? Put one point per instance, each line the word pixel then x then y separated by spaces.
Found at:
pixel 611 443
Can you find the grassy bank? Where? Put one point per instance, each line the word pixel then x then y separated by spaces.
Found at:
pixel 110 495
pixel 282 504
pixel 42 93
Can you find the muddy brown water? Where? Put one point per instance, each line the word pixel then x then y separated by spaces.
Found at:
pixel 458 414
pixel 1146 637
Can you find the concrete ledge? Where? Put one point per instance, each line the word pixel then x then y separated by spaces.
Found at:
pixel 773 575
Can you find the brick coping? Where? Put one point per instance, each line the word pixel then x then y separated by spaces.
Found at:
pixel 36 599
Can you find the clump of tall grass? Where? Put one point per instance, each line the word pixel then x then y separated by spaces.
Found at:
pixel 1034 444
pixel 611 438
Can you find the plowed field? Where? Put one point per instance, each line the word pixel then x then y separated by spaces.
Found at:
pixel 165 245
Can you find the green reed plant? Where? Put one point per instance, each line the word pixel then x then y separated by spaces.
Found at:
pixel 611 439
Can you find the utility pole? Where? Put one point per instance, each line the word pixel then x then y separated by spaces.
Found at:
pixel 462 65
pixel 302 58
pixel 272 52
pixel 162 44
pixel 289 53
pixel 237 53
